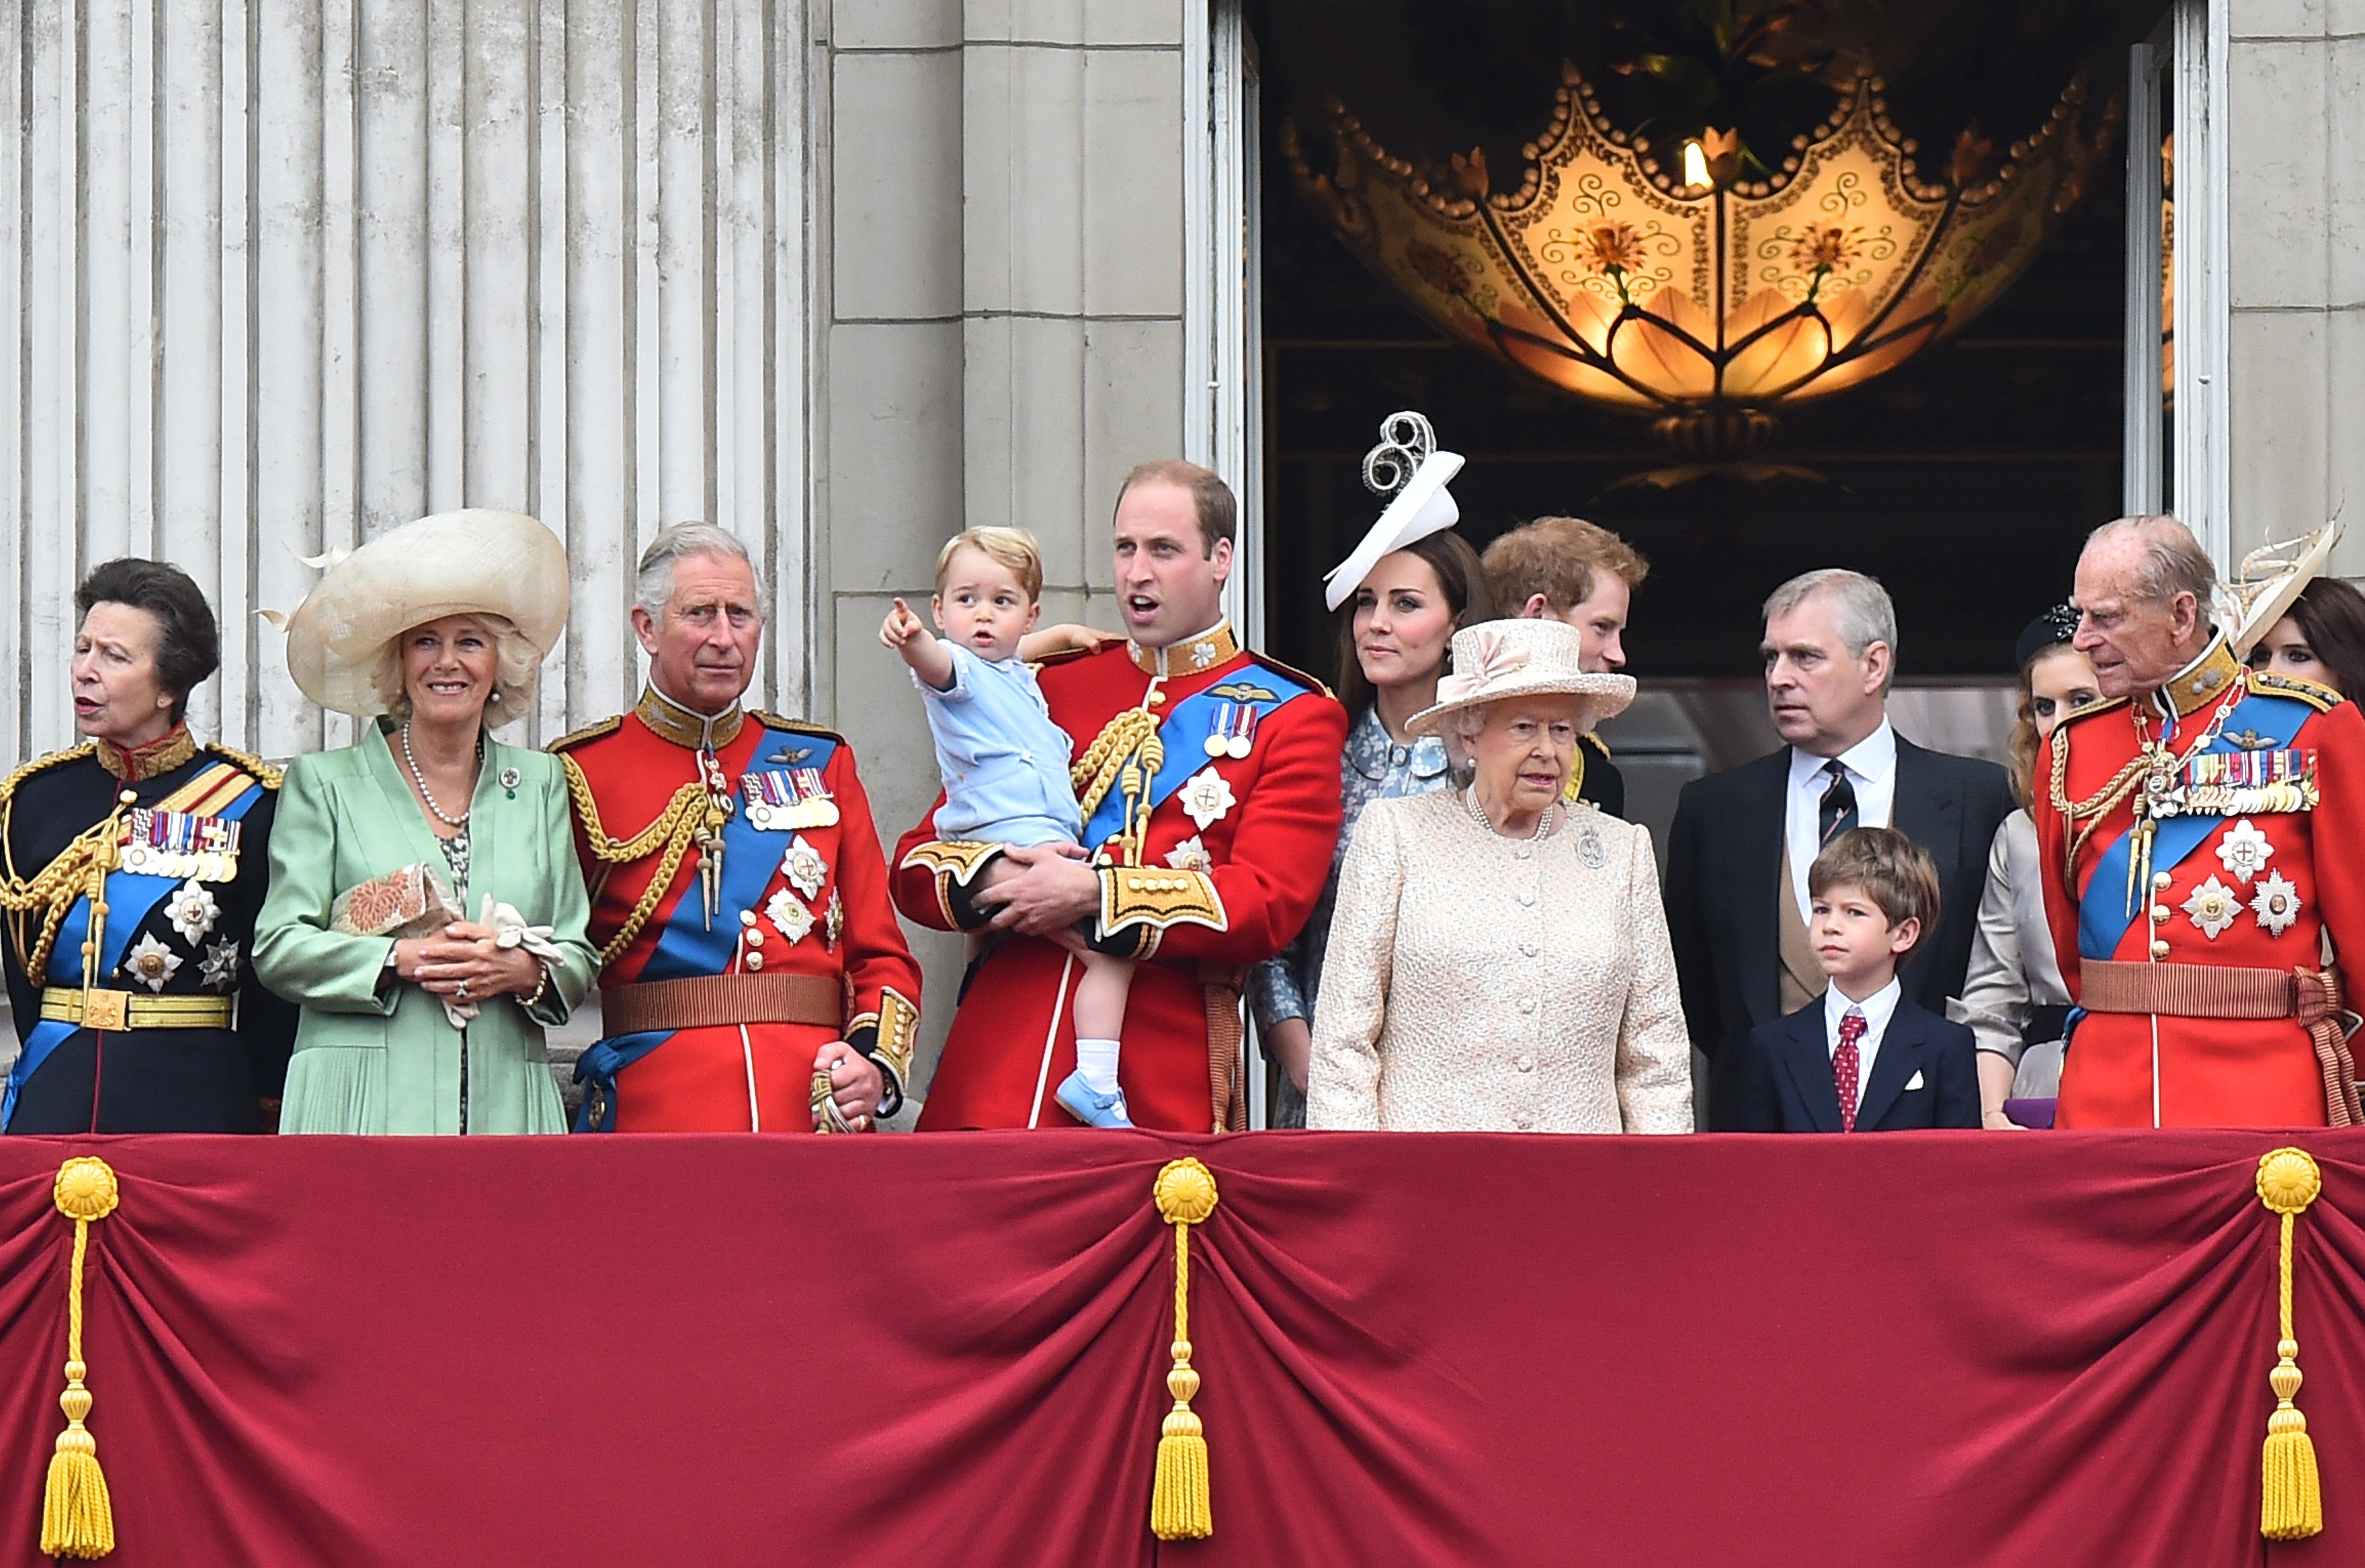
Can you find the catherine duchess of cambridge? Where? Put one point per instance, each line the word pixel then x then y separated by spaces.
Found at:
pixel 435 630
pixel 134 865
pixel 1498 961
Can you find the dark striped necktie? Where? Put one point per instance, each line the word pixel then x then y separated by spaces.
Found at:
pixel 1837 813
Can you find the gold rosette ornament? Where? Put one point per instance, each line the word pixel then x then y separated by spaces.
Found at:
pixel 1178 1502
pixel 77 1518
pixel 2291 1504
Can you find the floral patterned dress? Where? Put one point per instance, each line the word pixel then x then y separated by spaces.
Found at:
pixel 1373 768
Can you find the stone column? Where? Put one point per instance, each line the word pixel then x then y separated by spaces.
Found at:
pixel 278 276
pixel 1004 332
pixel 2296 207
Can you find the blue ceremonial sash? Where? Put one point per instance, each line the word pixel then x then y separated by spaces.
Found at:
pixel 686 949
pixel 2103 915
pixel 597 1068
pixel 130 897
pixel 1184 734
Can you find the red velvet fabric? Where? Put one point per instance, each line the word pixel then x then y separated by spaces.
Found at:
pixel 1926 1348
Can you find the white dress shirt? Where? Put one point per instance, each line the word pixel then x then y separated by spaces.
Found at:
pixel 1871 766
pixel 1877 1009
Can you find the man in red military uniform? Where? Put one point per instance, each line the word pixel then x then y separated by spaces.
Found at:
pixel 1209 778
pixel 753 977
pixel 2202 834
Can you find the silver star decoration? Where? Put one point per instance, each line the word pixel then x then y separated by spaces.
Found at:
pixel 150 962
pixel 220 969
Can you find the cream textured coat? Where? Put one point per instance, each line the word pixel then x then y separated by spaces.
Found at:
pixel 1477 984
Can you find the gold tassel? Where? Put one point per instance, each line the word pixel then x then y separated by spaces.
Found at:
pixel 2291 1504
pixel 1178 1501
pixel 77 1517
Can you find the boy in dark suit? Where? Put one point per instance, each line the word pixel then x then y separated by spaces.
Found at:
pixel 1862 1057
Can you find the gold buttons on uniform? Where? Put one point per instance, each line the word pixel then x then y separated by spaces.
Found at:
pixel 755 962
pixel 2159 949
pixel 2158 912
pixel 2160 879
pixel 756 938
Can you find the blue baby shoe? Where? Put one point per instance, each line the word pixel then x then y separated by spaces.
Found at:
pixel 1090 1106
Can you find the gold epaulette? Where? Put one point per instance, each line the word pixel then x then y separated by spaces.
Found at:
pixel 1312 683
pixel 592 732
pixel 264 774
pixel 1596 742
pixel 1069 656
pixel 771 720
pixel 2098 705
pixel 25 770
pixel 2314 693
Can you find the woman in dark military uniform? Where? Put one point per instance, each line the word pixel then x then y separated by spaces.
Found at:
pixel 135 864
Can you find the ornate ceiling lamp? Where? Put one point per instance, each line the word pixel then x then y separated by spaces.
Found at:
pixel 1659 279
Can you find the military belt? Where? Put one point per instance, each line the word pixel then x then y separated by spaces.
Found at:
pixel 708 1001
pixel 103 1009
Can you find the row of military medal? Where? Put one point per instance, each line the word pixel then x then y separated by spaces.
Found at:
pixel 156 843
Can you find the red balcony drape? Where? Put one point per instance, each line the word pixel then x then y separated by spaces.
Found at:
pixel 1924 1349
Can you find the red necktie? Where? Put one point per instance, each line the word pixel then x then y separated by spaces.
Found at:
pixel 1843 1066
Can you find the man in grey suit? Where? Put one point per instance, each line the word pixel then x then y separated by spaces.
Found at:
pixel 1736 894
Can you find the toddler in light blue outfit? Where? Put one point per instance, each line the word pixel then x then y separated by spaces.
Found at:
pixel 1004 763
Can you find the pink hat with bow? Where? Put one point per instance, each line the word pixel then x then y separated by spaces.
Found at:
pixel 1500 659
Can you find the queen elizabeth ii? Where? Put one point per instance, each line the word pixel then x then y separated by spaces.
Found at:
pixel 1498 961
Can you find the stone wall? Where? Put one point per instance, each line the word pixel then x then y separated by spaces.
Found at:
pixel 2295 121
pixel 1004 334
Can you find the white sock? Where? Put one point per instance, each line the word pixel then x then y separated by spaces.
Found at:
pixel 1096 1059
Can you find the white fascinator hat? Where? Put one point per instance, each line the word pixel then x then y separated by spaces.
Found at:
pixel 2269 580
pixel 1408 469
pixel 476 561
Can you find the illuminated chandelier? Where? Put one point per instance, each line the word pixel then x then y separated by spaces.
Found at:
pixel 1659 280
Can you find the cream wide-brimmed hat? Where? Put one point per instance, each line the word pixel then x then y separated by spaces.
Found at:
pixel 1406 467
pixel 1500 659
pixel 476 561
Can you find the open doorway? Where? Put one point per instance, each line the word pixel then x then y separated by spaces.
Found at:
pixel 1964 478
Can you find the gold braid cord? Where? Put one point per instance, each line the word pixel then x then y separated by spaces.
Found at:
pixel 1186 1195
pixel 675 829
pixel 2094 808
pixel 54 887
pixel 2291 1497
pixel 1095 772
pixel 77 1516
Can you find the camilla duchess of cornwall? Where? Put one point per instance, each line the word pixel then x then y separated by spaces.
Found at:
pixel 426 912
pixel 1499 961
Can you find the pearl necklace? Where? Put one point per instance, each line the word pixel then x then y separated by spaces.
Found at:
pixel 411 759
pixel 1544 818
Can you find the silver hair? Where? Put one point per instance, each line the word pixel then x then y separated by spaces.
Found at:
pixel 653 584
pixel 1867 614
pixel 2171 561
pixel 517 665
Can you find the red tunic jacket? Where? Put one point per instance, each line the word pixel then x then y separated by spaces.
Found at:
pixel 782 911
pixel 1231 863
pixel 2257 888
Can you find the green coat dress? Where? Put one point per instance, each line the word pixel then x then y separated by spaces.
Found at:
pixel 374 1054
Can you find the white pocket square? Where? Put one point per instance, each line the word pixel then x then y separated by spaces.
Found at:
pixel 1914 1083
